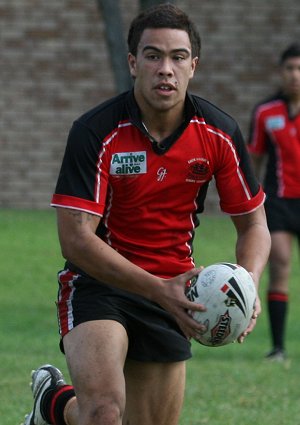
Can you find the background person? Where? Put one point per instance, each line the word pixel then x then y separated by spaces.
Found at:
pixel 275 135
pixel 133 179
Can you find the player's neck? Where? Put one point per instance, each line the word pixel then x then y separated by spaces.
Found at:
pixel 294 105
pixel 162 125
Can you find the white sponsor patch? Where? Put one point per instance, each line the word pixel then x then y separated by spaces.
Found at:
pixel 275 123
pixel 128 163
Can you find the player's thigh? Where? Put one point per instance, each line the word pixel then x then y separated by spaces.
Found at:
pixel 95 353
pixel 154 392
pixel 280 258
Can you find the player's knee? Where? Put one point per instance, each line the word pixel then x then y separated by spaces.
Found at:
pixel 279 270
pixel 104 411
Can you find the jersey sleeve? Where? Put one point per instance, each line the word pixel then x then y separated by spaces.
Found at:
pixel 82 181
pixel 257 134
pixel 238 188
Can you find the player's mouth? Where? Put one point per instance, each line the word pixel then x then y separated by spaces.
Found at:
pixel 293 86
pixel 165 88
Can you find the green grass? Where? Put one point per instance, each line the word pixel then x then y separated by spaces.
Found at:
pixel 229 385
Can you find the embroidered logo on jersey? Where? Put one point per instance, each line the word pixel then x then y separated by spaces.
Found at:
pixel 276 122
pixel 128 163
pixel 161 174
pixel 198 170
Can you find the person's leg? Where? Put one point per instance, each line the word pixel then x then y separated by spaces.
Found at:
pixel 95 353
pixel 277 296
pixel 154 392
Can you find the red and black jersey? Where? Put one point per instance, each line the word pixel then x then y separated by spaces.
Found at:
pixel 148 195
pixel 275 133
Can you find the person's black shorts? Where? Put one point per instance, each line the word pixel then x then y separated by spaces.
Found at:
pixel 283 214
pixel 153 334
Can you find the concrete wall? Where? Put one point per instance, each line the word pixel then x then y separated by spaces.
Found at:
pixel 54 66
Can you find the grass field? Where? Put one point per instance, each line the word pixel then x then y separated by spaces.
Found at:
pixel 230 385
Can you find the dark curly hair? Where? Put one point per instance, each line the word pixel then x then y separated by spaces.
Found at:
pixel 165 15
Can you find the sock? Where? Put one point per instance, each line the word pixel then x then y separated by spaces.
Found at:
pixel 277 308
pixel 56 404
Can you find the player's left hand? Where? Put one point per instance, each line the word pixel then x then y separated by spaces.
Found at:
pixel 256 313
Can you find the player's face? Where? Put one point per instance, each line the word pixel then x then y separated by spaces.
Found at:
pixel 162 68
pixel 290 73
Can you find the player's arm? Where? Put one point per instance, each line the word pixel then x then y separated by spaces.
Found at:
pixel 252 248
pixel 257 143
pixel 258 162
pixel 81 246
pixel 253 241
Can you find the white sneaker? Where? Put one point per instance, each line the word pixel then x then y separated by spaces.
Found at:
pixel 45 379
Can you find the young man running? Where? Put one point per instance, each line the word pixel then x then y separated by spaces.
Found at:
pixel 133 179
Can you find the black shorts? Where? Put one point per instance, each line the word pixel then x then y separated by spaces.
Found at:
pixel 153 334
pixel 283 214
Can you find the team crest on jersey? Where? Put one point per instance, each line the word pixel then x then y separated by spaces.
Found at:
pixel 198 170
pixel 276 122
pixel 128 163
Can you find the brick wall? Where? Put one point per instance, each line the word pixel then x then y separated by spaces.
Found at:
pixel 54 66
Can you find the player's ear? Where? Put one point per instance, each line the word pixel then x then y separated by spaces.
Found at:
pixel 132 64
pixel 195 62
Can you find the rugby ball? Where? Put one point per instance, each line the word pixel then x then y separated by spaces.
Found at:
pixel 228 292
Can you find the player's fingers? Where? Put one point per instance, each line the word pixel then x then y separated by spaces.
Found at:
pixel 189 325
pixel 250 328
pixel 191 332
pixel 192 306
pixel 191 273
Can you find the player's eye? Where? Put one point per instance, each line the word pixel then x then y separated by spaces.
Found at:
pixel 152 56
pixel 179 58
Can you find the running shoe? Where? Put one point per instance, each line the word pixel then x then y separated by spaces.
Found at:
pixel 45 379
pixel 276 355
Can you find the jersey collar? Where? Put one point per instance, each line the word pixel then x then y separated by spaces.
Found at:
pixel 134 114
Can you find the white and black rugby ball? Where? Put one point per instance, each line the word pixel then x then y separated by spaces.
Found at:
pixel 228 292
